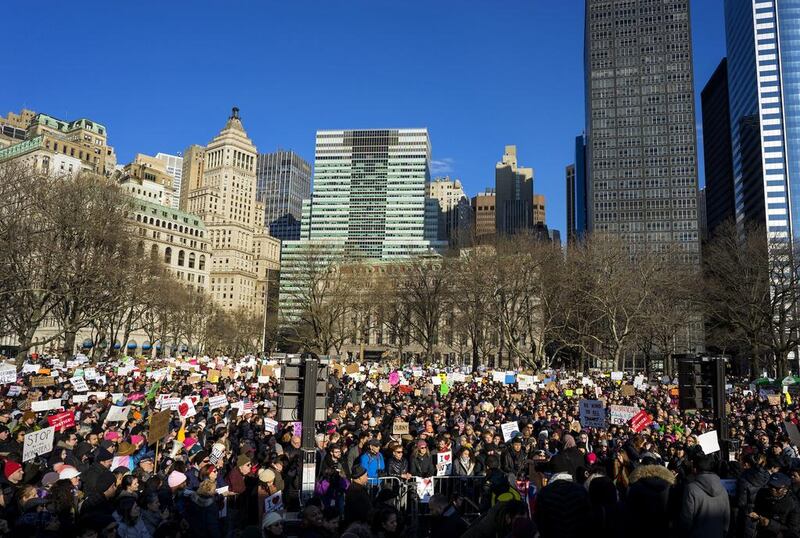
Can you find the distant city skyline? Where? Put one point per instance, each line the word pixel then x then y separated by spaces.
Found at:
pixel 470 112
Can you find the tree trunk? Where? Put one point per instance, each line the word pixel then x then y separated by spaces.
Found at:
pixel 475 360
pixel 69 344
pixel 619 359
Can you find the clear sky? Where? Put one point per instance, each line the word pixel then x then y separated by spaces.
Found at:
pixel 478 74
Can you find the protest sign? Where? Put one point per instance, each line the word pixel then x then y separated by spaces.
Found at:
pixel 444 463
pixel 217 451
pixel 499 377
pixel 62 421
pixel 592 414
pixel 159 426
pixel 620 414
pixel 117 413
pixel 30 368
pixel 14 390
pixel 394 378
pixel 273 503
pixel 351 369
pixel 8 374
pixel 171 403
pixel 774 399
pixel 38 443
pixel 42 381
pixel 90 374
pixel 616 376
pixel 627 390
pixel 709 442
pixel 270 425
pixel 215 402
pixel 186 408
pixel 640 421
pixel 45 405
pixel 424 489
pixel 80 398
pixel 399 427
pixel 213 376
pixel 79 384
pixel 510 430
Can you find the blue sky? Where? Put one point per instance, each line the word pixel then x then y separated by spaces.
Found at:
pixel 478 74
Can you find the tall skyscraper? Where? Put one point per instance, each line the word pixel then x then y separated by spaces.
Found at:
pixel 453 208
pixel 720 202
pixel 225 198
pixel 191 173
pixel 514 195
pixel 570 188
pixel 174 167
pixel 642 150
pixel 368 201
pixel 284 181
pixel 483 213
pixel 763 45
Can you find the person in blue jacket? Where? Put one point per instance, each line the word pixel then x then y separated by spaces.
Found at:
pixel 372 460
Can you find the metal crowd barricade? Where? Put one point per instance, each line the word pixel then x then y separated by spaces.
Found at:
pixel 398 486
pixel 470 489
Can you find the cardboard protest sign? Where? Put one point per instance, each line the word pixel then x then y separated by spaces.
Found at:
pixel 444 463
pixel 592 414
pixel 159 426
pixel 709 442
pixel 117 413
pixel 627 390
pixel 774 399
pixel 62 421
pixel 46 405
pixel 384 387
pixel 351 369
pixel 38 443
pixel 399 427
pixel 8 374
pixel 42 381
pixel 510 430
pixel 620 414
pixel 213 376
pixel 640 421
pixel 79 384
pixel 215 402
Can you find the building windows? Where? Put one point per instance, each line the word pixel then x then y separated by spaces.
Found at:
pixel 168 255
pixel 181 258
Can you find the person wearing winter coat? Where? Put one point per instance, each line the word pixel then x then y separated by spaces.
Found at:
pixel 465 464
pixel 705 508
pixel 753 478
pixel 569 459
pixel 514 458
pixel 421 463
pixel 396 464
pixel 357 501
pixel 648 501
pixel 372 460
pixel 777 511
pixel 202 512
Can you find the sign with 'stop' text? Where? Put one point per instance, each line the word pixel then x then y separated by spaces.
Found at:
pixel 38 443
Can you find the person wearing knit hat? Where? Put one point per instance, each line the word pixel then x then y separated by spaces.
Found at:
pixel 270 524
pixel 561 509
pixel 13 472
pixel 266 475
pixel 176 480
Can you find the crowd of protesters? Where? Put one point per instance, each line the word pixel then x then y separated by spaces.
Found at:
pixel 225 467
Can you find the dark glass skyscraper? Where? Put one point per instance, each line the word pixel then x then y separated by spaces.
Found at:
pixel 719 192
pixel 641 141
pixel 284 181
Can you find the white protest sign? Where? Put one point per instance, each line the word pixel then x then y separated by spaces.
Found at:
pixel 616 376
pixel 424 489
pixel 499 377
pixel 436 380
pixel 30 368
pixel 621 414
pixel 117 413
pixel 273 503
pixel 186 408
pixel 444 463
pixel 509 430
pixel 170 403
pixel 593 414
pixel 38 443
pixel 45 405
pixel 90 373
pixel 79 383
pixel 270 425
pixel 80 398
pixel 98 395
pixel 14 390
pixel 215 402
pixel 8 374
pixel 709 442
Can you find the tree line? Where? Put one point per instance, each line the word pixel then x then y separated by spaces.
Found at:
pixel 72 261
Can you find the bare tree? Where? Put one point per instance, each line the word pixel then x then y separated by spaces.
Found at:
pixel 472 298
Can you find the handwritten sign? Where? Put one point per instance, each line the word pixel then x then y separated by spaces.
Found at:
pixel 159 426
pixel 170 403
pixel 399 427
pixel 45 405
pixel 38 443
pixel 273 503
pixel 186 408
pixel 215 402
pixel 270 425
pixel 621 414
pixel 510 430
pixel 592 414
pixel 8 374
pixel 79 384
pixel 42 381
pixel 616 376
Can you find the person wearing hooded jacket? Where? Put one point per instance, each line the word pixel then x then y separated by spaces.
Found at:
pixel 569 459
pixel 776 512
pixel 647 504
pixel 705 508
pixel 202 512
